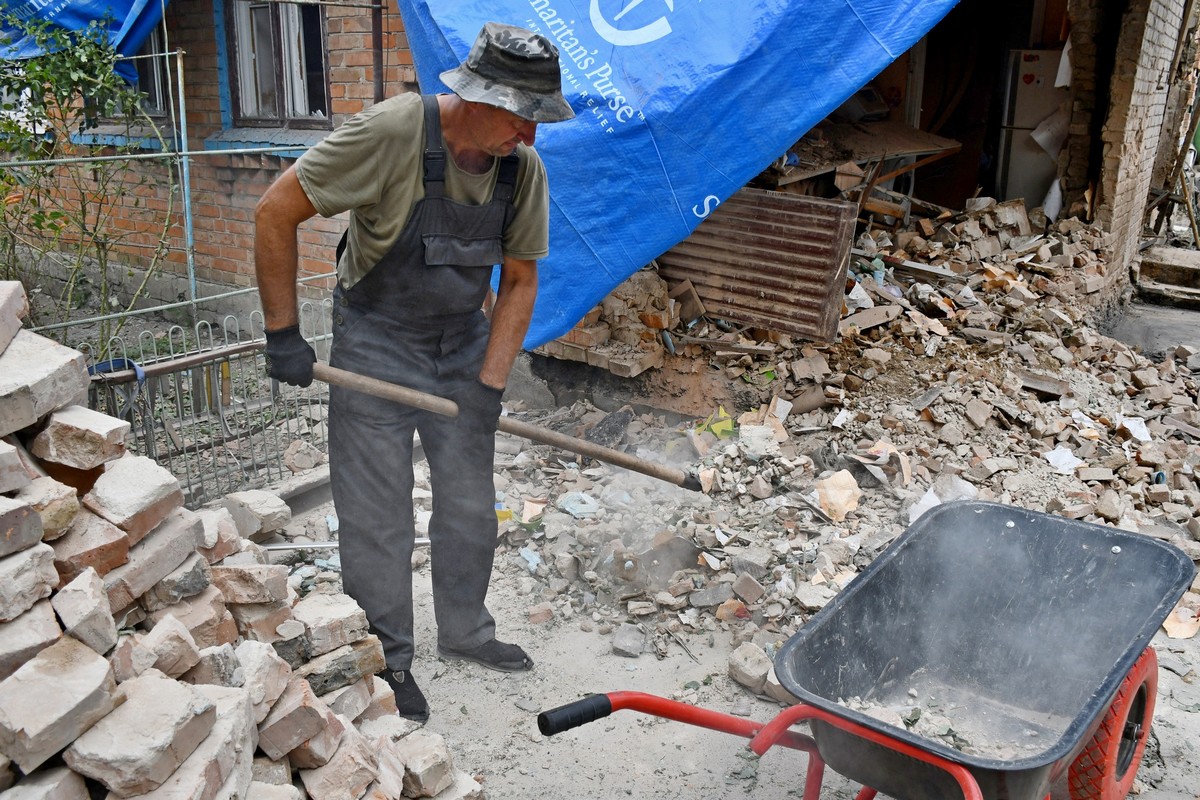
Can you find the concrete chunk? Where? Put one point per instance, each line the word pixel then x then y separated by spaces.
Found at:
pixel 332 620
pixel 53 698
pixel 217 665
pixel 144 740
pixel 350 701
pixel 187 580
pixel 91 542
pixel 82 605
pixel 78 437
pixel 221 537
pixel 57 783
pixel 222 762
pixel 13 475
pixel 318 749
pixel 55 502
pixel 347 774
pixel 749 666
pixel 135 494
pixel 154 558
pixel 20 526
pixel 24 637
pixel 26 577
pixel 261 621
pixel 38 375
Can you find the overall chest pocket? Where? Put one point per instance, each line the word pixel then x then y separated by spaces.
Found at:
pixel 449 250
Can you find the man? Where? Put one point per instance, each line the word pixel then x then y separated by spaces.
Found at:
pixel 439 189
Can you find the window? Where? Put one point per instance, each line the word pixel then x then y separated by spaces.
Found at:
pixel 152 64
pixel 279 64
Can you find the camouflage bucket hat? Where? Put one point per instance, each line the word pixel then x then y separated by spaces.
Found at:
pixel 514 69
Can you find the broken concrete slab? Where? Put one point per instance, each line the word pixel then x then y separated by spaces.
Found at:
pixel 82 605
pixel 38 375
pixel 78 437
pixel 136 495
pixel 26 577
pixel 26 636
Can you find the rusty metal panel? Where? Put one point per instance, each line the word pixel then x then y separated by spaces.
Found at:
pixel 770 259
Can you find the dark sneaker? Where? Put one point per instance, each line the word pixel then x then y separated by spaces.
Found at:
pixel 494 655
pixel 410 702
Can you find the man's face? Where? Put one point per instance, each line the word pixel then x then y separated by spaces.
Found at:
pixel 498 131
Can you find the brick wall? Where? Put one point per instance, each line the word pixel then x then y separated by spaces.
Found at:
pixel 1123 119
pixel 224 187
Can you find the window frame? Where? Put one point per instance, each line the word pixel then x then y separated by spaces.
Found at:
pixel 284 18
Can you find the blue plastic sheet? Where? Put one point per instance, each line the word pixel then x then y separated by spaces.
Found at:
pixel 129 23
pixel 679 104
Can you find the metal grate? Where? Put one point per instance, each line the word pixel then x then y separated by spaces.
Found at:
pixel 200 403
pixel 770 259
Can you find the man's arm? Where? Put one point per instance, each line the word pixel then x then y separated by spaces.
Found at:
pixel 278 214
pixel 510 319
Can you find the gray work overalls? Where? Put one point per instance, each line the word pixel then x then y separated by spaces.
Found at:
pixel 415 320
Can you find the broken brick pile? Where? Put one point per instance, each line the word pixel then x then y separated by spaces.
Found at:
pixel 154 651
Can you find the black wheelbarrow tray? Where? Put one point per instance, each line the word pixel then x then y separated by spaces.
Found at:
pixel 1028 632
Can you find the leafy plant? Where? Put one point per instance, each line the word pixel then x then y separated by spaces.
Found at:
pixel 69 194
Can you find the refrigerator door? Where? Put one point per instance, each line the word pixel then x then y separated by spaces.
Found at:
pixel 1031 95
pixel 1025 169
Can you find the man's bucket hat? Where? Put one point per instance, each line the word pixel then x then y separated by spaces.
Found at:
pixel 514 69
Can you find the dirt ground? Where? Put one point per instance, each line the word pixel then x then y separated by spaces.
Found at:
pixel 489 719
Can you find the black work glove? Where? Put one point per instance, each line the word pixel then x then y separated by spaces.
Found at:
pixel 479 407
pixel 289 358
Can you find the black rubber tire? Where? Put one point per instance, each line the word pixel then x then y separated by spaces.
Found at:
pixel 1105 769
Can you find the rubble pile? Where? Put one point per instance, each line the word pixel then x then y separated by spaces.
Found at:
pixel 152 651
pixel 970 374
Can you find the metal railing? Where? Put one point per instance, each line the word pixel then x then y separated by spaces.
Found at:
pixel 201 405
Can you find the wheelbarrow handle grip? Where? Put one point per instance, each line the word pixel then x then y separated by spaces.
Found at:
pixel 572 715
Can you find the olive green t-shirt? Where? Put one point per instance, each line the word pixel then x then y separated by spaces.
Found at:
pixel 372 166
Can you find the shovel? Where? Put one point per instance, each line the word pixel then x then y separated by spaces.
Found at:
pixel 440 405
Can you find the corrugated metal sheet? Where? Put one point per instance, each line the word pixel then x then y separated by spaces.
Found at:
pixel 771 260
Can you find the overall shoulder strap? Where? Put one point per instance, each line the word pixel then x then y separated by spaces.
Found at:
pixel 435 154
pixel 506 178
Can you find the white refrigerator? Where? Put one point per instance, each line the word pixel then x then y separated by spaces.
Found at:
pixel 1023 167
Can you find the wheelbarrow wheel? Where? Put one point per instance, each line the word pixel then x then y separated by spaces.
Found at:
pixel 1106 768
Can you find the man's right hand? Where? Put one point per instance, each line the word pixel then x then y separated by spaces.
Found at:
pixel 289 358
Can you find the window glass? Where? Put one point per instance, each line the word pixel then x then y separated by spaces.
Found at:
pixel 279 49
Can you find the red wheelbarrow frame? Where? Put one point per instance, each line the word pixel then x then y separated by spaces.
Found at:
pixel 762 736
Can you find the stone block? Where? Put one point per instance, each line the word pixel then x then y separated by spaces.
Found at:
pixel 78 437
pixel 266 675
pixel 221 763
pixel 14 307
pixel 347 774
pixel 26 577
pixel 205 615
pixel 13 475
pixel 187 580
pixel 138 746
pixel 154 557
pixel 82 605
pixel 297 716
pixel 24 637
pixel 20 526
pixel 218 666
pixel 350 701
pixel 136 495
pixel 257 513
pixel 38 375
pixel 383 702
pixel 332 621
pixel 344 666
pixel 251 583
pixel 52 699
pixel 91 542
pixel 174 649
pixel 131 657
pixel 56 783
pixel 55 502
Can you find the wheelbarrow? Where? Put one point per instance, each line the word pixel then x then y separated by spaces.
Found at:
pixel 1028 632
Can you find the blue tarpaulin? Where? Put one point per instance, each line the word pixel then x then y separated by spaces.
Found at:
pixel 679 104
pixel 129 23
